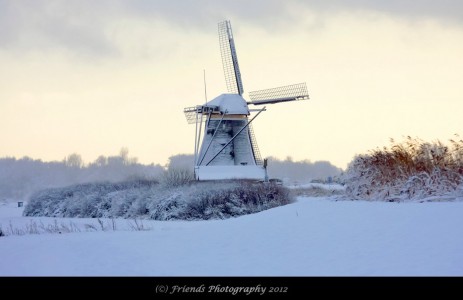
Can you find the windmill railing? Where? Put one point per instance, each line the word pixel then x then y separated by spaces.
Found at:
pixel 191 112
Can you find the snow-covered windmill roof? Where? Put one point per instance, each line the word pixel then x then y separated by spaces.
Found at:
pixel 231 103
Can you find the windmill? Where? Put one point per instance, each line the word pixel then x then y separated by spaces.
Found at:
pixel 226 148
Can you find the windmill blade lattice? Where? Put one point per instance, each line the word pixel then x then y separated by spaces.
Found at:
pixel 231 68
pixel 280 94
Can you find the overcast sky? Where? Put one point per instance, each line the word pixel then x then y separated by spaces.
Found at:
pixel 94 76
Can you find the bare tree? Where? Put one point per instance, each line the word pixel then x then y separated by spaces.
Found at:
pixel 74 160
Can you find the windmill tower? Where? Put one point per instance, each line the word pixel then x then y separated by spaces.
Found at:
pixel 226 148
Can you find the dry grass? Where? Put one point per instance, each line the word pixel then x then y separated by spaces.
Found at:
pixel 38 227
pixel 410 169
pixel 315 191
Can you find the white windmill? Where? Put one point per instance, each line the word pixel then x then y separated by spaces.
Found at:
pixel 228 148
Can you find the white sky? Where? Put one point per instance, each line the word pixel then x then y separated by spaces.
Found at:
pixel 94 76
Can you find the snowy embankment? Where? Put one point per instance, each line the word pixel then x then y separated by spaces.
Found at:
pixel 314 236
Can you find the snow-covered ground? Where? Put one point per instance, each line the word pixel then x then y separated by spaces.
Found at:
pixel 314 236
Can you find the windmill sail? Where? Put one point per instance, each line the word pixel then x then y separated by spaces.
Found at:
pixel 231 68
pixel 280 94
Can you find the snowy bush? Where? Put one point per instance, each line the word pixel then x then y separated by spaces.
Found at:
pixel 92 200
pixel 174 177
pixel 219 202
pixel 412 169
pixel 148 199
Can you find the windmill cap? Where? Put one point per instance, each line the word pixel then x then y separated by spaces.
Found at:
pixel 230 103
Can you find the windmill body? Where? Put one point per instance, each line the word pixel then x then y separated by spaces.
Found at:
pixel 226 147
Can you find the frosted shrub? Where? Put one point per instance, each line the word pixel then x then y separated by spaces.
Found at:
pixel 413 169
pixel 174 177
pixel 229 199
pixel 194 201
pixel 92 200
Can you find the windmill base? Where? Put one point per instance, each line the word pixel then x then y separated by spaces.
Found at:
pixel 229 172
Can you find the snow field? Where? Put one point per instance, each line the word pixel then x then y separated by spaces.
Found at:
pixel 312 237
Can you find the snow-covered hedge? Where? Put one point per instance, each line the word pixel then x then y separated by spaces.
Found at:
pixel 413 169
pixel 150 200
